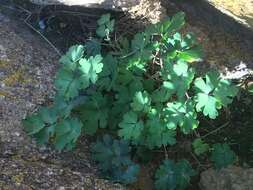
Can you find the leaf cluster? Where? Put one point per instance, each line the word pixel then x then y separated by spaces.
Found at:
pixel 143 90
pixel 171 176
pixel 113 157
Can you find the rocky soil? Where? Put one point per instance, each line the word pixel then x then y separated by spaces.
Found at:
pixel 27 67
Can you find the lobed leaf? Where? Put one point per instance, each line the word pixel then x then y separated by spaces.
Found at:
pixel 213 93
pixel 171 176
pixel 222 155
pixel 67 133
pixel 199 146
pixel 141 102
pixel 114 159
pixel 130 127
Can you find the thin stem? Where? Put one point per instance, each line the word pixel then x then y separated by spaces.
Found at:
pixel 166 153
pixel 216 130
pixel 38 32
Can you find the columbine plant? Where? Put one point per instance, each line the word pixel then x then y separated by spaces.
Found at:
pixel 143 90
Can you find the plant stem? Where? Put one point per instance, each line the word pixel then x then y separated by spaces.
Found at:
pixel 216 130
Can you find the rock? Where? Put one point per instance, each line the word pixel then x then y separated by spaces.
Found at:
pixel 234 17
pixel 231 178
pixel 27 68
pixel 149 9
pixel 241 11
pixel 107 4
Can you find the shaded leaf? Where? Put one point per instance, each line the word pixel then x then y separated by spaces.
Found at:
pixel 199 146
pixel 222 156
pixel 130 127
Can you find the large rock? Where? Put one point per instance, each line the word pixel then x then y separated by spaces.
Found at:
pixel 27 67
pixel 242 10
pixel 232 178
pixel 111 4
pixel 149 9
pixel 232 16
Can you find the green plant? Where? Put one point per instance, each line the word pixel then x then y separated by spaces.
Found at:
pixel 222 155
pixel 114 160
pixel 143 90
pixel 250 88
pixel 199 146
pixel 171 176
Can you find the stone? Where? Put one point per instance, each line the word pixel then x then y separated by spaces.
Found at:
pixel 234 17
pixel 242 10
pixel 231 178
pixel 152 10
pixel 108 4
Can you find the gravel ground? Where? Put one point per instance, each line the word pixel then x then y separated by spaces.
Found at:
pixel 27 67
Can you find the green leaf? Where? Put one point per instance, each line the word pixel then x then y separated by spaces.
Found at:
pixel 48 115
pixel 149 85
pixel 126 92
pixel 164 92
pixel 225 92
pixel 176 23
pixel 189 40
pixel 67 133
pixel 250 89
pixel 110 25
pixel 104 19
pixel 42 125
pixel 94 113
pixel 141 102
pixel 131 127
pixel 171 176
pixel 130 175
pixel 191 55
pixel 182 115
pixel 179 75
pixel 89 69
pixel 166 178
pixel 207 104
pixel 222 156
pixel 93 47
pixel 72 56
pixel 105 26
pixel 158 134
pixel 44 135
pixel 67 84
pixel 184 172
pixel 199 146
pixel 139 46
pixel 101 31
pixel 138 42
pixel 113 157
pixel 213 93
pixel 62 107
pixel 33 124
pixel 107 78
pixel 181 68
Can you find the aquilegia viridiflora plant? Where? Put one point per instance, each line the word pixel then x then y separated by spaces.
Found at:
pixel 143 90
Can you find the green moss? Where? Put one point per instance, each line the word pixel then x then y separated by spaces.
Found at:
pixel 18 179
pixel 14 77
